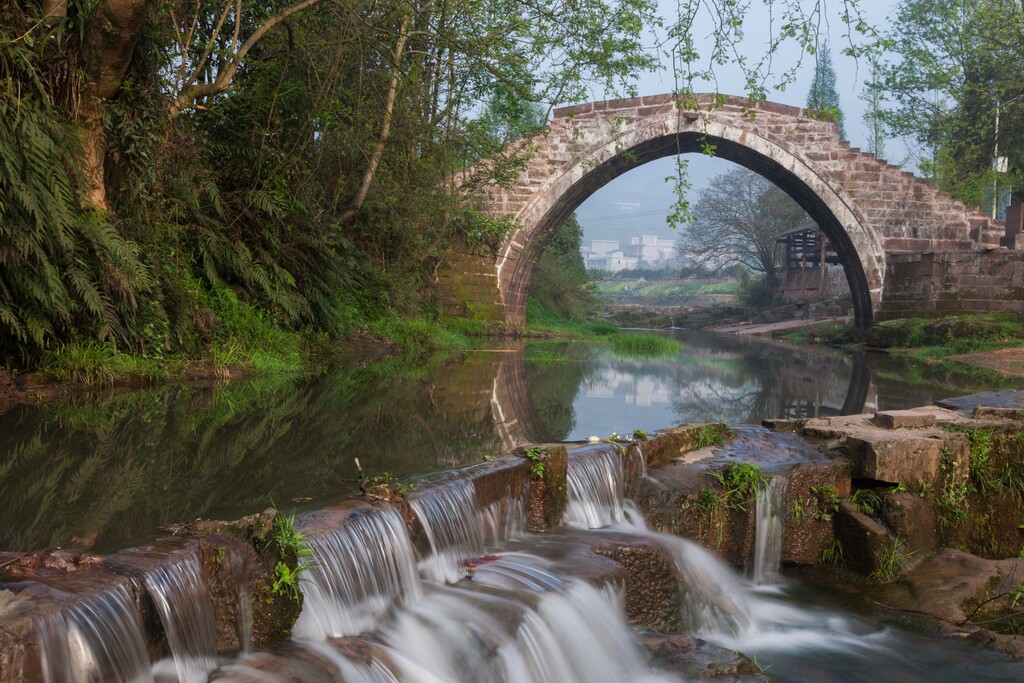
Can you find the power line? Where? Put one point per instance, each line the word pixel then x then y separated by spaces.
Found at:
pixel 639 214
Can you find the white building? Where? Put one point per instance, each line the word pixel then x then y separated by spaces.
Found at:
pixel 643 251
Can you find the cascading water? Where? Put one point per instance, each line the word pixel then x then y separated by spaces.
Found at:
pixel 244 621
pixel 503 519
pixel 769 517
pixel 97 639
pixel 181 598
pixel 516 622
pixel 596 483
pixel 360 570
pixel 454 527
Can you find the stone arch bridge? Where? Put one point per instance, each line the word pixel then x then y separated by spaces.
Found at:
pixel 900 239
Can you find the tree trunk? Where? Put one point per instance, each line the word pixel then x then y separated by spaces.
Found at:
pixel 385 132
pixel 107 48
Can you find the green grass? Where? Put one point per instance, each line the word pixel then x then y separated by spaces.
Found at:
pixel 893 562
pixel 644 344
pixel 950 335
pixel 740 481
pixel 102 364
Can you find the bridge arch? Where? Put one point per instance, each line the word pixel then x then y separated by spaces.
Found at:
pixel 866 207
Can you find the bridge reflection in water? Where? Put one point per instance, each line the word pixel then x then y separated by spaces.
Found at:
pixel 104 472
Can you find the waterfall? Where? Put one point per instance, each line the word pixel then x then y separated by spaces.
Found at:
pixel 516 622
pixel 641 458
pixel 361 569
pixel 454 527
pixel 244 621
pixel 596 487
pixel 503 519
pixel 181 598
pixel 770 513
pixel 97 639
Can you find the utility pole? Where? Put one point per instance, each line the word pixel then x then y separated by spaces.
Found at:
pixel 998 164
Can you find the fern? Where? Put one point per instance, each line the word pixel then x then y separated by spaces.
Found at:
pixel 63 271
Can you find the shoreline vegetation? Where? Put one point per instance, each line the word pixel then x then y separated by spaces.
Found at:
pixel 255 347
pixel 985 345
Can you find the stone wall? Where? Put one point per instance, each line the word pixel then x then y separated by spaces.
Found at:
pixel 468 287
pixel 939 283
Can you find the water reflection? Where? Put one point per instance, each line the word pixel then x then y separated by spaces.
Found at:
pixel 735 379
pixel 102 472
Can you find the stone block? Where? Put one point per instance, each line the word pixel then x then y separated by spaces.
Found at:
pixel 891 458
pixel 864 541
pixel 903 419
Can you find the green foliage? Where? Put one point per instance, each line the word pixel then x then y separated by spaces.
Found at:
pixel 832 553
pixel 758 292
pixel 536 456
pixel 292 547
pixel 822 97
pixel 707 499
pixel 824 501
pixel 953 496
pixel 710 434
pixel 893 561
pixel 560 284
pixel 898 488
pixel 740 481
pixel 644 344
pixel 955 61
pixel 101 364
pixel 867 501
pixel 395 488
pixel 63 271
pixel 639 435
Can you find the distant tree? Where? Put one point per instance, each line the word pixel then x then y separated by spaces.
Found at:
pixel 823 96
pixel 737 220
pixel 873 96
pixel 957 62
pixel 560 282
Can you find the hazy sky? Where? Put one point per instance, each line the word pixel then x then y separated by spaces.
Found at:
pixel 637 202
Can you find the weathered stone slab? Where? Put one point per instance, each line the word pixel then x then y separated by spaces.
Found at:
pixel 882 457
pixel 903 419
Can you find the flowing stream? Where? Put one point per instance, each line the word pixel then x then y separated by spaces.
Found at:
pixel 488 602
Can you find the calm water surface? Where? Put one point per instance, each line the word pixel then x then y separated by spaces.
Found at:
pixel 101 472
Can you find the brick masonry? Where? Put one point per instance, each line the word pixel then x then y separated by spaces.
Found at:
pixel 938 283
pixel 869 209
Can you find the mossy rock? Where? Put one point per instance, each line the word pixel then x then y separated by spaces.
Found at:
pixel 549 495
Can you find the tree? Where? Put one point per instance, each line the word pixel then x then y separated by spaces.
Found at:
pixel 873 96
pixel 738 217
pixel 957 61
pixel 822 96
pixel 560 283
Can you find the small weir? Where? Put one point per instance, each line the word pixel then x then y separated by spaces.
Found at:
pixel 453 525
pixel 769 517
pixel 596 484
pixel 360 569
pixel 97 639
pixel 381 606
pixel 181 598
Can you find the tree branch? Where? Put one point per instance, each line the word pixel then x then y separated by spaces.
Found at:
pixel 192 92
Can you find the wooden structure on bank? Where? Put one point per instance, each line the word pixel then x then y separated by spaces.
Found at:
pixel 804 254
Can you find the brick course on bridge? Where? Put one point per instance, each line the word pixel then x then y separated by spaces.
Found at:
pixel 868 208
